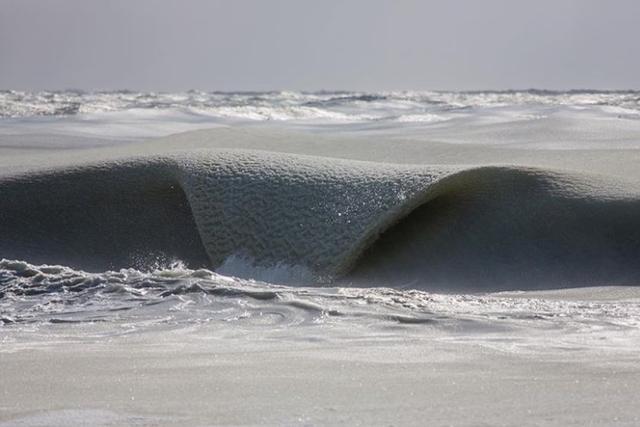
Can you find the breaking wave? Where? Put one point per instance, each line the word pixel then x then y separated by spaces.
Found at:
pixel 315 220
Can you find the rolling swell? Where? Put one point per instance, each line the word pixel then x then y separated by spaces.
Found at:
pixel 500 228
pixel 99 217
pixel 360 223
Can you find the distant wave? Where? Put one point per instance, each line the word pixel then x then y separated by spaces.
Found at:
pixel 524 119
pixel 326 104
pixel 358 223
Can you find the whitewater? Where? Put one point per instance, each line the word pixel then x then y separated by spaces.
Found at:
pixel 296 258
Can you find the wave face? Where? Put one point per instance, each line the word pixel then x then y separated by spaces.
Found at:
pixel 320 220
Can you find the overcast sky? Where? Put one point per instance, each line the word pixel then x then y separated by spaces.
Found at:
pixel 323 44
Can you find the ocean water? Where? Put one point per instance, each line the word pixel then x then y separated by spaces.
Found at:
pixel 128 115
pixel 511 219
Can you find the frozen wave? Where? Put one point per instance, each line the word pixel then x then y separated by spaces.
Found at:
pixel 428 226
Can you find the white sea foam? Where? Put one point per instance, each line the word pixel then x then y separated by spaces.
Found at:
pixel 243 266
pixel 45 296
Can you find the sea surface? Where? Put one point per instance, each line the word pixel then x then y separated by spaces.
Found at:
pixel 128 115
pixel 511 219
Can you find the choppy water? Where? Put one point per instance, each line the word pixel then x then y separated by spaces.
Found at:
pixel 41 299
pixel 325 106
pixel 129 114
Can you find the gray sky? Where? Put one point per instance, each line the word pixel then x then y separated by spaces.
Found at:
pixel 323 44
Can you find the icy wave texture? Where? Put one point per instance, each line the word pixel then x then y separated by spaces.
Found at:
pixel 35 299
pixel 272 209
pixel 249 212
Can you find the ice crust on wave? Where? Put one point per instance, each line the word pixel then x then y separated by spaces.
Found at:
pixel 297 210
pixel 445 227
pixel 270 208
